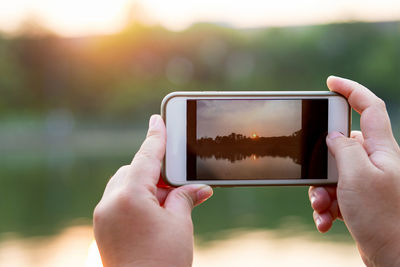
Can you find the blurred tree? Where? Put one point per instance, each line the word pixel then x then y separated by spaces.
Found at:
pixel 125 75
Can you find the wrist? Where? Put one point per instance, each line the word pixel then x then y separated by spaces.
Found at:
pixel 388 255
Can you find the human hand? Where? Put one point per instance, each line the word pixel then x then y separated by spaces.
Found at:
pixel 138 224
pixel 367 196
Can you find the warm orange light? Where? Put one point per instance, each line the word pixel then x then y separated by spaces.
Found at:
pixel 93 258
pixel 77 18
pixel 254 135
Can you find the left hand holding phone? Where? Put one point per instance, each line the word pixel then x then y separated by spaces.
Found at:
pixel 137 223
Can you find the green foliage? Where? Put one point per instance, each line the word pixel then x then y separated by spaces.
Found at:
pixel 126 75
pixel 12 77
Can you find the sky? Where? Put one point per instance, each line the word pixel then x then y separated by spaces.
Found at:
pixel 263 117
pixel 88 17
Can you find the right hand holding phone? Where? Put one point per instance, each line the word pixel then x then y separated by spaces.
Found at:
pixel 367 196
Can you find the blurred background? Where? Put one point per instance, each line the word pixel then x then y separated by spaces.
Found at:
pixel 79 80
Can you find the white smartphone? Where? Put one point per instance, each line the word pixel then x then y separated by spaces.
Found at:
pixel 252 138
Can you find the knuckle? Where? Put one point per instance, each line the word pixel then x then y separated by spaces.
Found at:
pixel 357 85
pixel 123 200
pixel 155 138
pixel 380 103
pixel 185 196
pixel 153 134
pixel 349 143
pixel 98 213
pixel 128 199
pixel 144 155
pixel 122 170
pixel 120 201
pixel 121 204
pixel 370 144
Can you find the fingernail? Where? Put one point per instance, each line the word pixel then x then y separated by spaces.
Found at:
pixel 334 135
pixel 153 121
pixel 204 193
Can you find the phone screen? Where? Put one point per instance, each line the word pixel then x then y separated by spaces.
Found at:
pixel 242 139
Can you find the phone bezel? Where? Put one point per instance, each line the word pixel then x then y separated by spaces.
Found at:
pixel 174 115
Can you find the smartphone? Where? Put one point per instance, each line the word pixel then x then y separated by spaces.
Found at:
pixel 252 138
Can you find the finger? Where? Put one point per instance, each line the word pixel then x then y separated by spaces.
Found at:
pixel 181 200
pixel 351 158
pixel 117 179
pixel 374 122
pixel 319 198
pixel 323 221
pixel 331 191
pixel 146 165
pixel 359 97
pixel 358 136
pixel 161 195
pixel 324 199
pixel 334 209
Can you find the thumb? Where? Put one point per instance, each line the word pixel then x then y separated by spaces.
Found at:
pixel 183 199
pixel 351 157
pixel 146 165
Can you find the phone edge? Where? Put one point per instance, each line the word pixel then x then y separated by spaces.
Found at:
pixel 171 95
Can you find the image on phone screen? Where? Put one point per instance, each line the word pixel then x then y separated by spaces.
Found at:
pixel 249 139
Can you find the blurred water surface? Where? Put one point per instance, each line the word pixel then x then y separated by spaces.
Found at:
pixel 47 184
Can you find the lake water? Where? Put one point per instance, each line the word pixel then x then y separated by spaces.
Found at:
pixel 49 188
pixel 75 246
